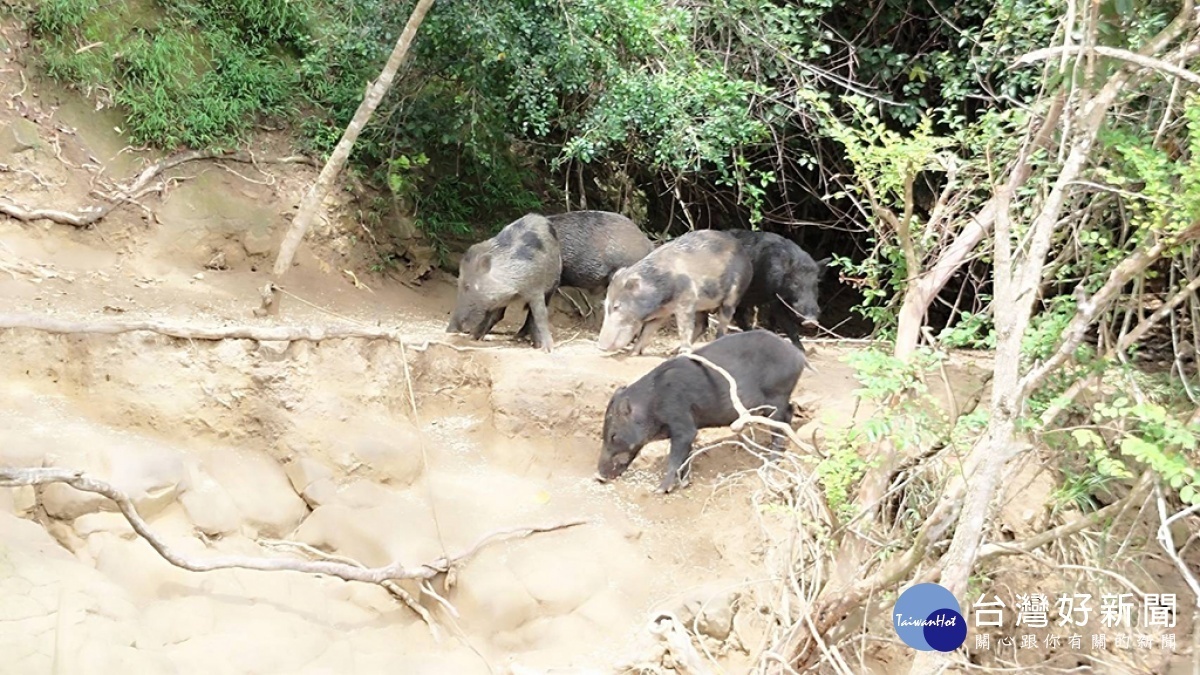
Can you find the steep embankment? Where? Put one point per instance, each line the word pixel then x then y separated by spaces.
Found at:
pixel 228 447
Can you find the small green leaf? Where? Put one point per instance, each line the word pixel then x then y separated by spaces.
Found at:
pixel 1086 437
pixel 1188 494
pixel 1138 448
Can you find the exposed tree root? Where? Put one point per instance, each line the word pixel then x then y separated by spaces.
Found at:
pixel 17 268
pixel 346 571
pixel 189 331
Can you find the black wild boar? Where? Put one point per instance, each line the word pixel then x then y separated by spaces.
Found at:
pixel 682 396
pixel 784 287
pixel 595 244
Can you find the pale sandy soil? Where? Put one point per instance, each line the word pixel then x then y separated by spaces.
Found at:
pixel 229 445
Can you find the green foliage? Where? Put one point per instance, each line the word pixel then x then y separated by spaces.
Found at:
pixel 450 207
pixel 612 81
pixel 971 329
pixel 195 74
pixel 1125 437
pixel 1155 438
pixel 886 163
pixel 1046 329
pixel 642 114
pixel 900 386
pixel 885 160
pixel 884 376
pixel 402 178
pixel 502 96
pixel 905 413
pixel 841 470
pixel 1077 490
pixel 880 285
pixel 1167 197
pixel 1156 195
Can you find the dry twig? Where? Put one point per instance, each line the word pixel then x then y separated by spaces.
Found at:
pixel 348 572
pixel 90 215
pixel 390 586
pixel 1141 60
pixel 1168 544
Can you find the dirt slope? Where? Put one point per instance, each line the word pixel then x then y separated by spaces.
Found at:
pixel 231 446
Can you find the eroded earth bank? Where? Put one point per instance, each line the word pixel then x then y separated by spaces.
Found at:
pixel 365 449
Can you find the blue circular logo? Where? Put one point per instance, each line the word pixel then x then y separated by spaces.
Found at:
pixel 927 617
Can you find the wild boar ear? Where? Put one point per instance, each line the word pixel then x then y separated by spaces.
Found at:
pixel 624 407
pixel 485 263
pixel 631 284
pixel 823 266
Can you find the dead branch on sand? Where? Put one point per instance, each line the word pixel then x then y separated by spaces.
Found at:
pixel 122 194
pixel 390 586
pixel 665 641
pixel 345 571
pixel 191 331
pixel 18 268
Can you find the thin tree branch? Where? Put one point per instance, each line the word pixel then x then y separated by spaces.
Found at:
pixel 744 415
pixel 372 97
pixel 190 331
pixel 921 292
pixel 390 586
pixel 1165 540
pixel 1127 340
pixel 1112 52
pixel 371 575
pixel 1066 529
pixel 1090 308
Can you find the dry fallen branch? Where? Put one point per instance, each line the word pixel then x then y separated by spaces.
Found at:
pixel 190 331
pixel 390 586
pixel 90 215
pixel 17 268
pixel 81 218
pixel 1077 525
pixel 371 575
pixel 665 640
pixel 1168 544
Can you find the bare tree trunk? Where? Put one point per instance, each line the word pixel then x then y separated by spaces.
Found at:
pixel 1020 282
pixel 316 195
pixel 964 504
pixel 1019 272
pixel 920 294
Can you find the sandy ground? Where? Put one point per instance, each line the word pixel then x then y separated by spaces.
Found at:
pixel 228 447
